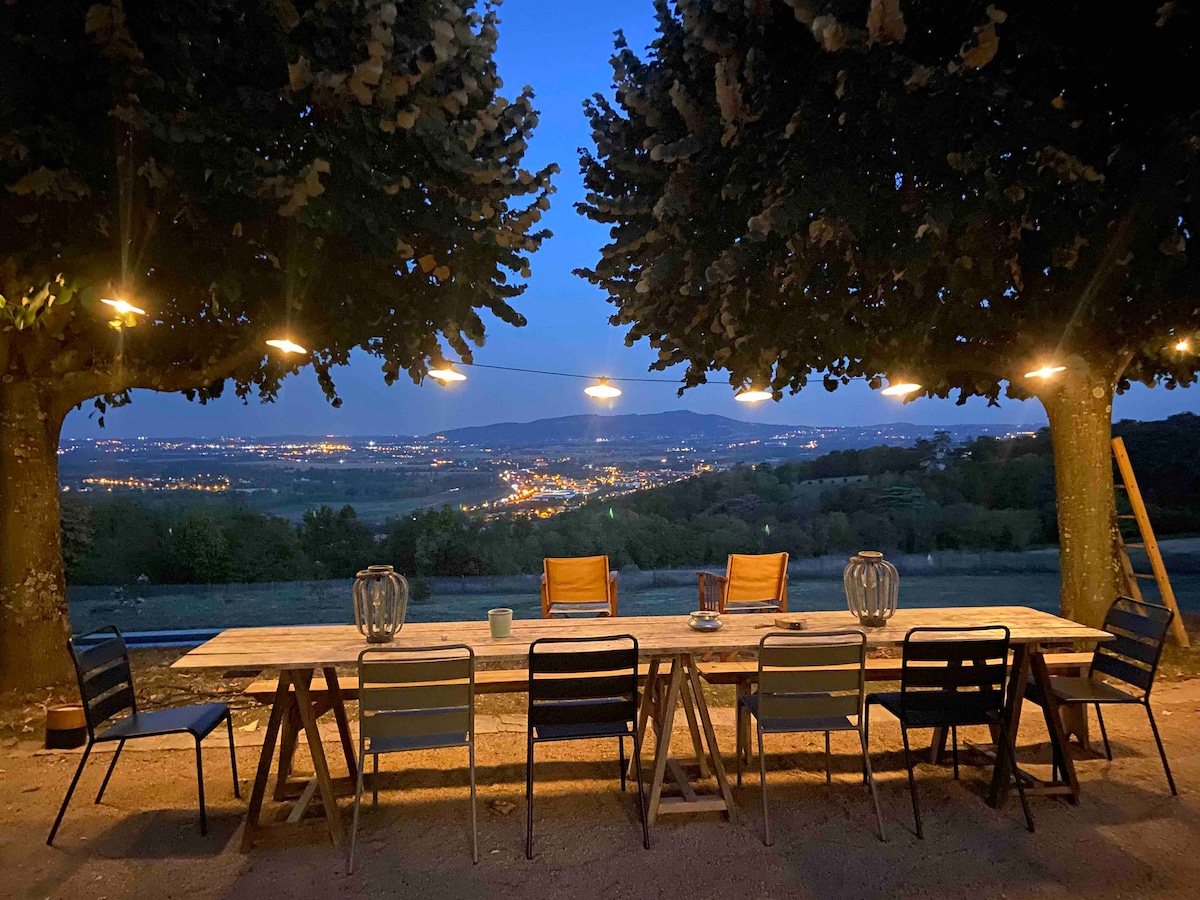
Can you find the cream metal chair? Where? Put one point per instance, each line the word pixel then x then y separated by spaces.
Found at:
pixel 751 583
pixel 578 586
pixel 814 682
pixel 419 698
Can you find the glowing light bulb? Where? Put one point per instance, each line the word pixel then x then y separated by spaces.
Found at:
pixel 445 374
pixel 123 307
pixel 602 390
pixel 1183 346
pixel 752 395
pixel 900 389
pixel 285 345
pixel 1045 372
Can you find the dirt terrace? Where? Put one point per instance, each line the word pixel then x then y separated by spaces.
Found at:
pixel 1127 838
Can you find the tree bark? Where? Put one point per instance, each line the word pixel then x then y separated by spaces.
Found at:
pixel 1079 406
pixel 34 623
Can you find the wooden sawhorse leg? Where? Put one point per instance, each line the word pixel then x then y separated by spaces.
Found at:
pixel 683 671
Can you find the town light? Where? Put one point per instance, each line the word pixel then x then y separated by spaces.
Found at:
pixel 1045 372
pixel 123 307
pixel 285 345
pixel 445 374
pixel 900 389
pixel 602 390
pixel 752 395
pixel 1183 345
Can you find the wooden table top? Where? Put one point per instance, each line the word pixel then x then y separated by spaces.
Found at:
pixel 315 646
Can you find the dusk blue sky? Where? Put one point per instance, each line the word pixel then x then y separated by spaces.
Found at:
pixel 561 48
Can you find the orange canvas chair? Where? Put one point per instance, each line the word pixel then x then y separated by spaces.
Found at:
pixel 751 583
pixel 578 586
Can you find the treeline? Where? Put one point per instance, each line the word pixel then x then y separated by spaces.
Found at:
pixel 990 494
pixel 122 541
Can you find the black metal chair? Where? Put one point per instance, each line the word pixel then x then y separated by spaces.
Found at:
pixel 1131 659
pixel 945 683
pixel 581 695
pixel 106 689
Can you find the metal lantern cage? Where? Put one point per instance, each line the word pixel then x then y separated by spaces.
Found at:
pixel 872 588
pixel 380 603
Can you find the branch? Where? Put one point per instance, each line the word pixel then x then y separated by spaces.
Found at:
pixel 78 387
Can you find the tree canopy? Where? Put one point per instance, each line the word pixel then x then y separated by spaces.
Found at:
pixel 951 194
pixel 336 172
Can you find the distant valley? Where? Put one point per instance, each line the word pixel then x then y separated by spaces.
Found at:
pixel 539 467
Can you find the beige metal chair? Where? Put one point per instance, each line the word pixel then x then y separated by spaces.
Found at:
pixel 419 698
pixel 809 683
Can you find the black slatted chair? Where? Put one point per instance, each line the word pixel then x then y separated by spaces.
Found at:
pixel 106 688
pixel 581 694
pixel 947 682
pixel 1131 659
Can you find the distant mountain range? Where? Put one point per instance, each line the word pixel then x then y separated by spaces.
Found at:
pixel 674 425
pixel 682 425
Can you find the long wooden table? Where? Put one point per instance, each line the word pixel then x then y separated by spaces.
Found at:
pixel 299 652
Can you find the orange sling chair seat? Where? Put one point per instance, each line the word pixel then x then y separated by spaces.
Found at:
pixel 578 586
pixel 751 583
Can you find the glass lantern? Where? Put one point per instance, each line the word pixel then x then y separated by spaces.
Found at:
pixel 872 588
pixel 380 603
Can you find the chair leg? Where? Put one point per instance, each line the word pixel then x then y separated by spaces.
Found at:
pixel 912 781
pixel 954 748
pixel 866 739
pixel 762 777
pixel 621 751
pixel 828 774
pixel 474 822
pixel 237 790
pixel 362 759
pixel 67 799
pixel 862 739
pixel 637 762
pixel 200 788
pixel 1011 750
pixel 1104 732
pixel 375 779
pixel 1161 752
pixel 529 798
pixel 107 775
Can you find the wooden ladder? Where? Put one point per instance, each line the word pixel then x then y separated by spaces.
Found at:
pixel 1147 544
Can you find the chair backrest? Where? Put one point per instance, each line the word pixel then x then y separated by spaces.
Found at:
pixel 105 680
pixel 424 695
pixel 580 579
pixel 1140 631
pixel 755 577
pixel 818 674
pixel 583 681
pixel 958 672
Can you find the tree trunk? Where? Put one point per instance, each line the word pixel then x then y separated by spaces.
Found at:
pixel 34 625
pixel 1079 406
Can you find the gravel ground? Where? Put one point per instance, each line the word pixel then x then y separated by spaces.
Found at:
pixel 1128 836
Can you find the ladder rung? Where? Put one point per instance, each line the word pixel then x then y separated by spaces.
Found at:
pixel 1120 487
pixel 1143 575
pixel 1126 516
pixel 1136 546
